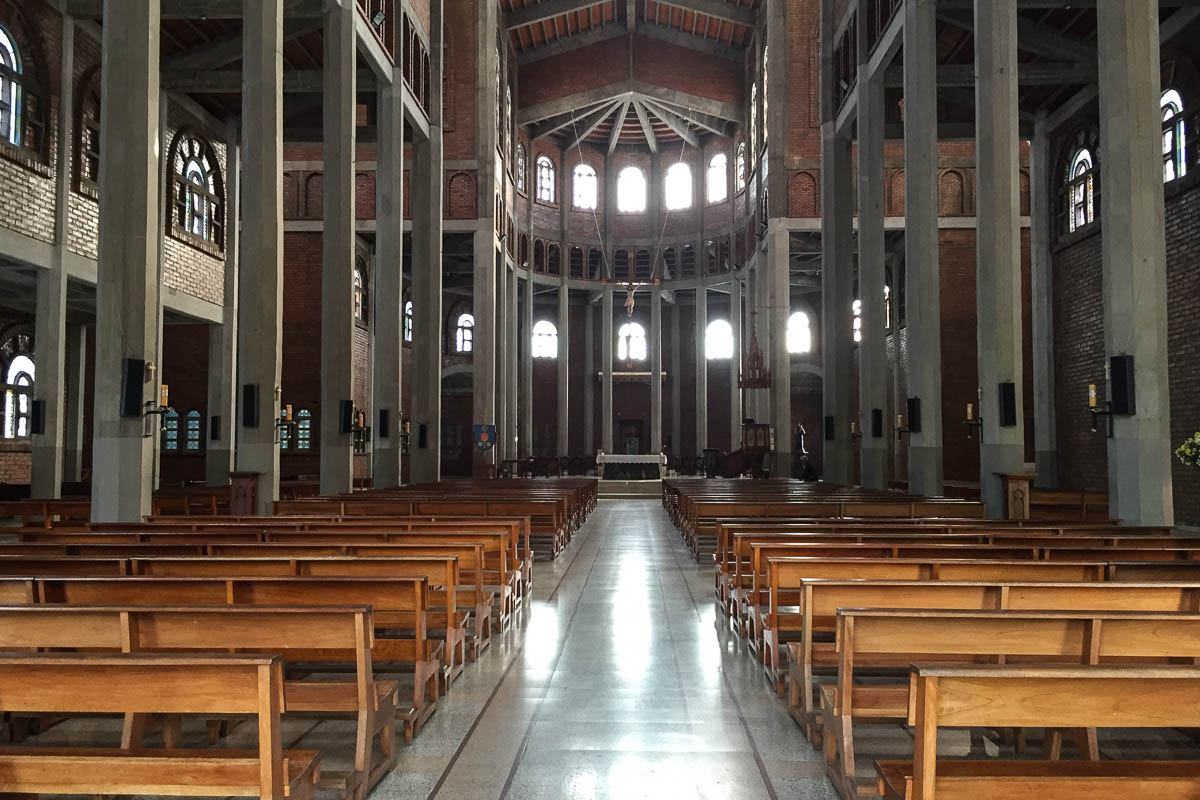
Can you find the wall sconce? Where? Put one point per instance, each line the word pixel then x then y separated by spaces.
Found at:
pixel 285 423
pixel 361 431
pixel 855 433
pixel 973 422
pixel 1096 411
pixel 405 435
pixel 160 409
pixel 900 429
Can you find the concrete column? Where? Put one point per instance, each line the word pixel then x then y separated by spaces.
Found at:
pixel 127 286
pixel 589 380
pixel 425 199
pixel 527 368
pixel 735 364
pixel 76 336
pixel 606 364
pixel 512 367
pixel 501 401
pixel 1135 288
pixel 779 260
pixel 872 350
pixel 925 460
pixel 564 367
pixel 337 256
pixel 676 380
pixel 701 368
pixel 837 297
pixel 998 257
pixel 1045 426
pixel 221 451
pixel 50 320
pixel 656 369
pixel 387 313
pixel 483 359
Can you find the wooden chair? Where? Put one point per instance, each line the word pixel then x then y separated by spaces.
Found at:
pixel 141 684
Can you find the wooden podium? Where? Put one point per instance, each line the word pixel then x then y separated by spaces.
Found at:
pixel 243 493
pixel 1016 494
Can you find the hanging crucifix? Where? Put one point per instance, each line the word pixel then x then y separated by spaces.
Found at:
pixel 629 300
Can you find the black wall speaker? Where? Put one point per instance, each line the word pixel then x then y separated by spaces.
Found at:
pixel 37 417
pixel 385 420
pixel 1008 404
pixel 214 428
pixel 914 415
pixel 422 436
pixel 249 405
pixel 877 423
pixel 346 416
pixel 133 378
pixel 1120 385
pixel 830 429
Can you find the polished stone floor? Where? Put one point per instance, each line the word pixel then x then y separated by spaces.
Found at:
pixel 617 683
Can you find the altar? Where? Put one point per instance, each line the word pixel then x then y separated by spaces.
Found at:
pixel 614 467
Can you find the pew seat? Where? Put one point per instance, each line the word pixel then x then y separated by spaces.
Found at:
pixel 1062 780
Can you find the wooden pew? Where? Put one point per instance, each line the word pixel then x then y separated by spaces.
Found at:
pixel 1059 696
pixel 330 635
pixel 399 606
pixel 820 599
pixel 892 638
pixel 441 571
pixel 782 618
pixel 139 684
pixel 503 570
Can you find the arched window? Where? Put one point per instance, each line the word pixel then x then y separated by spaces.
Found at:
pixel 583 187
pixel 753 137
pixel 1080 190
pixel 766 96
pixel 521 168
pixel 677 187
pixel 718 340
pixel 799 334
pixel 10 89
pixel 631 342
pixel 1174 137
pixel 856 311
pixel 170 431
pixel 408 320
pixel 545 179
pixel 718 178
pixel 464 334
pixel 89 132
pixel 285 433
pixel 304 429
pixel 739 167
pixel 545 339
pixel 198 196
pixel 18 397
pixel 631 191
pixel 360 293
pixel 192 431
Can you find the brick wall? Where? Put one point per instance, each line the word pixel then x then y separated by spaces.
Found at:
pixel 184 366
pixel 27 202
pixel 15 460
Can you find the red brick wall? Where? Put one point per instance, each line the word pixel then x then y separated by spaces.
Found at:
pixel 27 202
pixel 185 371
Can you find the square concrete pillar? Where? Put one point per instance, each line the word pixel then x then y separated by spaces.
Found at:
pixel 1135 263
pixel 127 286
pixel 387 314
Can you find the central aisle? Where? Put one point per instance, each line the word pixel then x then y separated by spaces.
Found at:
pixel 615 683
